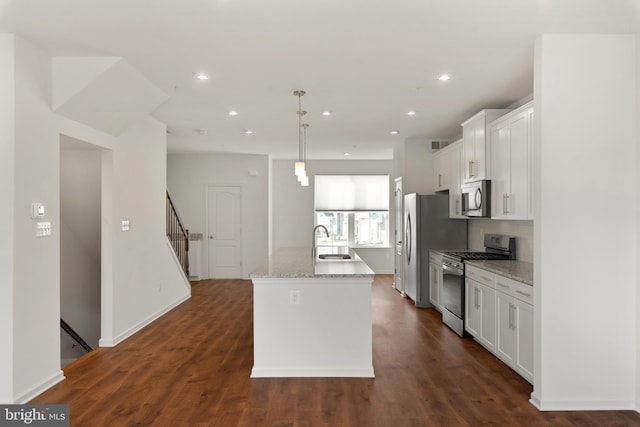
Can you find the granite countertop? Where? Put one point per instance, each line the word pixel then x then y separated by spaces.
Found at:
pixel 298 263
pixel 443 251
pixel 517 270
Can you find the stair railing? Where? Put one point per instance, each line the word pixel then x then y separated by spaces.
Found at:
pixel 73 334
pixel 178 235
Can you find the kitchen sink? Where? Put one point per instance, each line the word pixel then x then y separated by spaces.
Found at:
pixel 334 256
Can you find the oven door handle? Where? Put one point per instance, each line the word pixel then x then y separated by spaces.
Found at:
pixel 457 271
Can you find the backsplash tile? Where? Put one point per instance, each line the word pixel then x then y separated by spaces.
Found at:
pixel 521 230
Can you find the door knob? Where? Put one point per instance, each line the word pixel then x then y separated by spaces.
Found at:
pixel 212 237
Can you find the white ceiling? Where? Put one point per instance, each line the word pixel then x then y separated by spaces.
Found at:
pixel 368 61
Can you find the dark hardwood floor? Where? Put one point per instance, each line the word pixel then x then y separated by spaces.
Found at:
pixel 192 367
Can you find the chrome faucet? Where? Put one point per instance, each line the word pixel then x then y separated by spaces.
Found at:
pixel 313 237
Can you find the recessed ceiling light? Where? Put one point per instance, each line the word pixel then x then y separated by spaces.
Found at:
pixel 444 77
pixel 202 76
pixel 248 132
pixel 200 131
pixel 411 113
pixel 233 113
pixel 326 113
pixel 347 154
pixel 394 132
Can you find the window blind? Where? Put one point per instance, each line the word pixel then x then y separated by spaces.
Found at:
pixel 351 192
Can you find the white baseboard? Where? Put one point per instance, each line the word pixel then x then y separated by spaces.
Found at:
pixel 324 372
pixel 578 405
pixel 111 342
pixel 39 388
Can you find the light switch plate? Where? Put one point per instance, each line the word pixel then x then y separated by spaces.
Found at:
pixel 43 229
pixel 37 210
pixel 125 225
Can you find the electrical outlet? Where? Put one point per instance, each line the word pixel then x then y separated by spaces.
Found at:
pixel 294 297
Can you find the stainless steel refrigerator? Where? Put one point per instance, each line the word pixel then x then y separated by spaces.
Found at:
pixel 427 226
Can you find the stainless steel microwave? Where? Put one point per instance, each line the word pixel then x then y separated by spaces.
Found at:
pixel 476 199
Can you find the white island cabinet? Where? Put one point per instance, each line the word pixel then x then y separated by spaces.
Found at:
pixel 312 317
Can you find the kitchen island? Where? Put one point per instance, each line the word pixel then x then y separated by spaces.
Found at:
pixel 312 317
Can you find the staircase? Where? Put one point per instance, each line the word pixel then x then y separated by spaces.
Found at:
pixel 178 235
pixel 72 346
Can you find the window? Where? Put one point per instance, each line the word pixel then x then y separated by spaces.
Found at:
pixel 371 229
pixel 338 225
pixel 354 229
pixel 354 208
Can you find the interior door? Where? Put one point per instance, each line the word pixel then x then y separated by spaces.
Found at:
pixel 224 232
pixel 399 264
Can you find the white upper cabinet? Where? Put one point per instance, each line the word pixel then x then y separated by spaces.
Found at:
pixel 511 141
pixel 447 175
pixel 441 172
pixel 475 149
pixel 455 180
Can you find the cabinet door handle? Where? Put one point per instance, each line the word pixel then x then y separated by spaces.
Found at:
pixel 506 203
pixel 471 174
pixel 502 285
pixel 457 207
pixel 523 293
pixel 510 316
pixel 476 292
pixel 439 180
pixel 515 326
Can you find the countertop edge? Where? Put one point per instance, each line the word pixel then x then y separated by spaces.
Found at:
pixel 520 271
pixel 297 263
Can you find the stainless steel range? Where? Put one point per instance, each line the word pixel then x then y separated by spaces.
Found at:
pixel 496 247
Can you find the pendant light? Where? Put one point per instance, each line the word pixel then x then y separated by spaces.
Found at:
pixel 305 178
pixel 299 168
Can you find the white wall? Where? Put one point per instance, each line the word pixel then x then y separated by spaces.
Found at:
pixel 36 343
pixel 293 210
pixel 140 278
pixel 413 160
pixel 190 174
pixel 521 230
pixel 146 282
pixel 80 190
pixel 585 226
pixel 7 148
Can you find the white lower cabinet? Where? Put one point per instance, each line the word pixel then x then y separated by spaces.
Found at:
pixel 480 313
pixel 499 315
pixel 435 280
pixel 506 348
